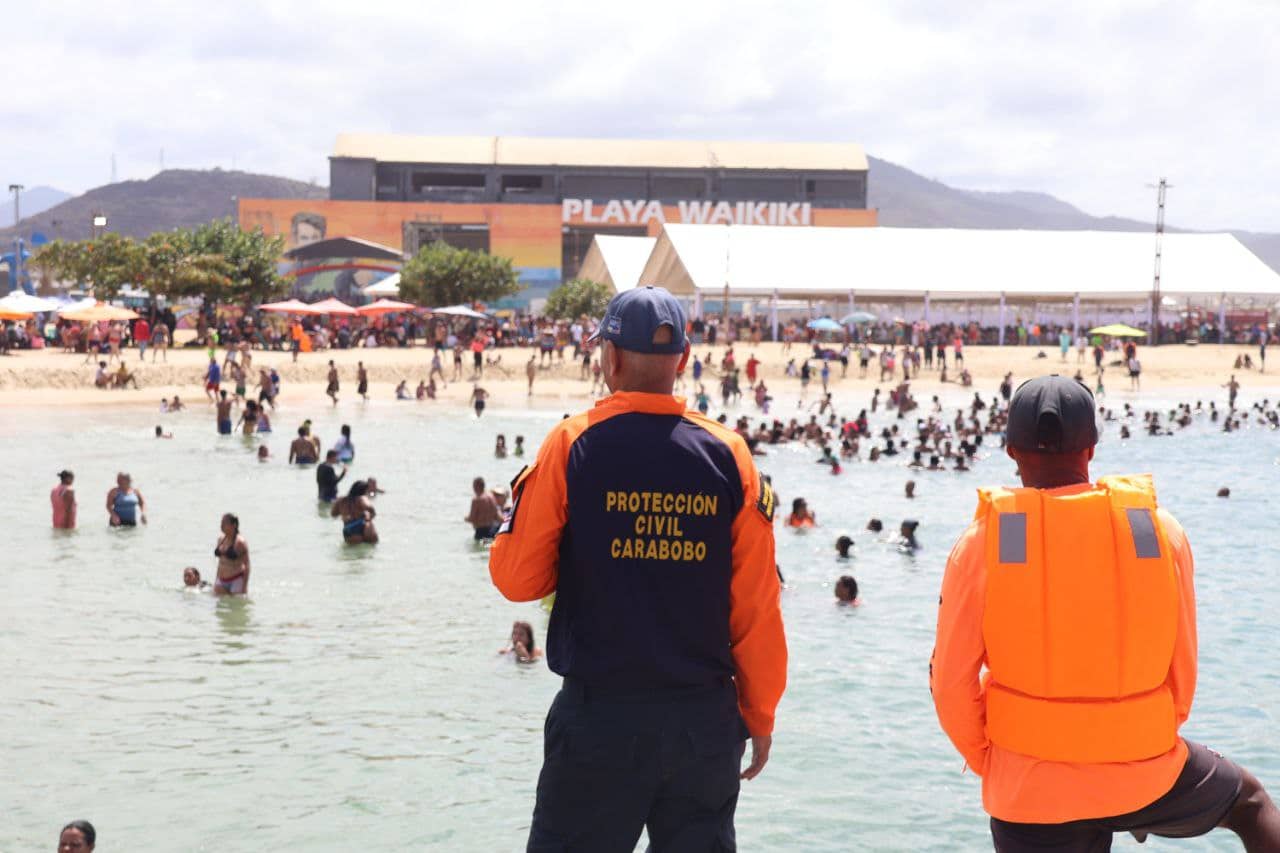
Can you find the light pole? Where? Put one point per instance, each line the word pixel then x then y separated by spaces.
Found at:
pixel 1155 286
pixel 99 224
pixel 16 278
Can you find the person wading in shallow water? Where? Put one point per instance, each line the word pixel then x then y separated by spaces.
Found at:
pixel 642 516
pixel 1077 598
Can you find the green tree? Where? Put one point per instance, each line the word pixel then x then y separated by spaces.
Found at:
pixel 176 269
pixel 251 257
pixel 578 298
pixel 105 264
pixel 443 275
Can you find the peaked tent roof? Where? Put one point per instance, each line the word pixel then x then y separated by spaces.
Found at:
pixel 616 260
pixel 949 263
pixel 344 247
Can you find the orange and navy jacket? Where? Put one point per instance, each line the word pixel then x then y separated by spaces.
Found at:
pixel 655 531
pixel 1021 788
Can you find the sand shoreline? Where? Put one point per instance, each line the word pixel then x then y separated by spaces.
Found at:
pixel 42 378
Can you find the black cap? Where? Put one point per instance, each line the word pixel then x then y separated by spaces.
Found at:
pixel 1052 414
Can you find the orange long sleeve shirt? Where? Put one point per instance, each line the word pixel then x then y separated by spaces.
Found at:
pixel 1019 788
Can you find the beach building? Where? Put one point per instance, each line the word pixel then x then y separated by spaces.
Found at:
pixel 542 201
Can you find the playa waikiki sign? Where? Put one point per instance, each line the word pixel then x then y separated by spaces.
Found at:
pixel 586 211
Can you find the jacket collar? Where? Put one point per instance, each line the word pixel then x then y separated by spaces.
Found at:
pixel 649 404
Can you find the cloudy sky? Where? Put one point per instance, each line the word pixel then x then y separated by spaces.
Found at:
pixel 1090 100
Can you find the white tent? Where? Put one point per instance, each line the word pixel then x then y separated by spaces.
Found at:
pixel 389 286
pixel 616 260
pixel 21 301
pixel 952 264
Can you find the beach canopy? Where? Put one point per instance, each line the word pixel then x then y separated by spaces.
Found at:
pixel 6 314
pixel 289 306
pixel 825 324
pixel 389 286
pixel 1118 330
pixel 101 311
pixel 460 311
pixel 616 260
pixel 385 306
pixel 331 306
pixel 857 318
pixel 20 301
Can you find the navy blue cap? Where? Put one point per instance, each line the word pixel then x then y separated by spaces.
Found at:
pixel 1052 414
pixel 634 316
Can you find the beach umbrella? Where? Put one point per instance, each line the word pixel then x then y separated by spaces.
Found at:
pixel 101 311
pixel 825 324
pixel 460 311
pixel 858 318
pixel 6 314
pixel 385 306
pixel 1118 330
pixel 20 301
pixel 332 306
pixel 289 306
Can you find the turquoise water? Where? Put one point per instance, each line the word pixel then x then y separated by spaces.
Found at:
pixel 355 700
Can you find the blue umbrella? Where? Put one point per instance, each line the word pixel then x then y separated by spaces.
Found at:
pixel 825 324
pixel 857 318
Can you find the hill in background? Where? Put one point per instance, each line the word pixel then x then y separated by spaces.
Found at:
pixel 174 198
pixel 183 198
pixel 34 200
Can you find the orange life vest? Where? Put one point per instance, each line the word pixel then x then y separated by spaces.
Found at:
pixel 1080 622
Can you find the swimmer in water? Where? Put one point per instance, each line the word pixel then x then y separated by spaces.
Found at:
pixel 518 450
pixel 160 433
pixel 125 504
pixel 191 578
pixel 843 546
pixel 500 447
pixel 485 516
pixel 233 559
pixel 264 454
pixel 522 644
pixel 302 451
pixel 847 592
pixel 78 836
pixel 224 413
pixel 875 525
pixel 907 535
pixel 801 515
pixel 63 499
pixel 911 489
pixel 328 478
pixel 402 390
pixel 478 398
pixel 346 450
pixel 357 515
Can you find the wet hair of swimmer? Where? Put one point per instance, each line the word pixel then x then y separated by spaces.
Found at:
pixel 843 545
pixel 875 525
pixel 159 430
pixel 84 828
pixel 191 576
pixel 850 587
pixel 232 519
pixel 528 632
pixel 66 477
pixel 359 489
pixel 302 432
pixel 346 430
pixel 797 505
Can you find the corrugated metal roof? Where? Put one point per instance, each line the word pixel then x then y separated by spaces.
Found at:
pixel 602 153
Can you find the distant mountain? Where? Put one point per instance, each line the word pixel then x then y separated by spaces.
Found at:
pixel 174 198
pixel 909 200
pixel 32 201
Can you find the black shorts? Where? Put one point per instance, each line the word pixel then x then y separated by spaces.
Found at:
pixel 1201 797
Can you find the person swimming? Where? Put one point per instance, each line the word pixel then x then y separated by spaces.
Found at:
pixel 232 553
pixel 302 451
pixel 191 578
pixel 264 453
pixel 519 448
pixel 63 500
pixel 907 536
pixel 357 515
pixel 160 433
pixel 522 645
pixel 345 449
pixel 801 515
pixel 125 504
pixel 843 546
pixel 500 447
pixel 846 589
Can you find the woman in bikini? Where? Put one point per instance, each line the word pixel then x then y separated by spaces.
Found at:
pixel 357 514
pixel 233 559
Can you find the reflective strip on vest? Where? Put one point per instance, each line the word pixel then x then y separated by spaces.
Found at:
pixel 1146 544
pixel 1013 537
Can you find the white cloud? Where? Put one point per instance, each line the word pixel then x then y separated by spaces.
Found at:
pixel 1089 101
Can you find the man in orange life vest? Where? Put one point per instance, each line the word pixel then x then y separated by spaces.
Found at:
pixel 653 528
pixel 1078 599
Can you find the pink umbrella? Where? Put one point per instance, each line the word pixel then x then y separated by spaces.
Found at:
pixel 385 306
pixel 332 306
pixel 289 306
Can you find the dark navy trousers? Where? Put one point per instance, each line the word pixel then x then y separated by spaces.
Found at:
pixel 617 762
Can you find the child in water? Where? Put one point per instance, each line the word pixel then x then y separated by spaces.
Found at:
pixel 843 546
pixel 847 592
pixel 519 448
pixel 500 447
pixel 801 515
pixel 191 578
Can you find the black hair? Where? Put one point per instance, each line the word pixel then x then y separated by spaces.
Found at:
pixel 66 476
pixel 358 489
pixel 159 429
pixel 533 642
pixel 346 430
pixel 233 518
pixel 302 432
pixel 85 828
pixel 843 544
pixel 796 504
pixel 850 584
pixel 875 525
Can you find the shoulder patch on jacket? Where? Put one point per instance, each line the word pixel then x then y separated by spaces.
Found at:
pixel 766 503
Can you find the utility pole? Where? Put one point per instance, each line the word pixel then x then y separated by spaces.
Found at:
pixel 1155 286
pixel 15 270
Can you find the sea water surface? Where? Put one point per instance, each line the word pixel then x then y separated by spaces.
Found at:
pixel 355 700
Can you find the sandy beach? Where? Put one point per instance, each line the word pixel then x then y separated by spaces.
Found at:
pixel 49 377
